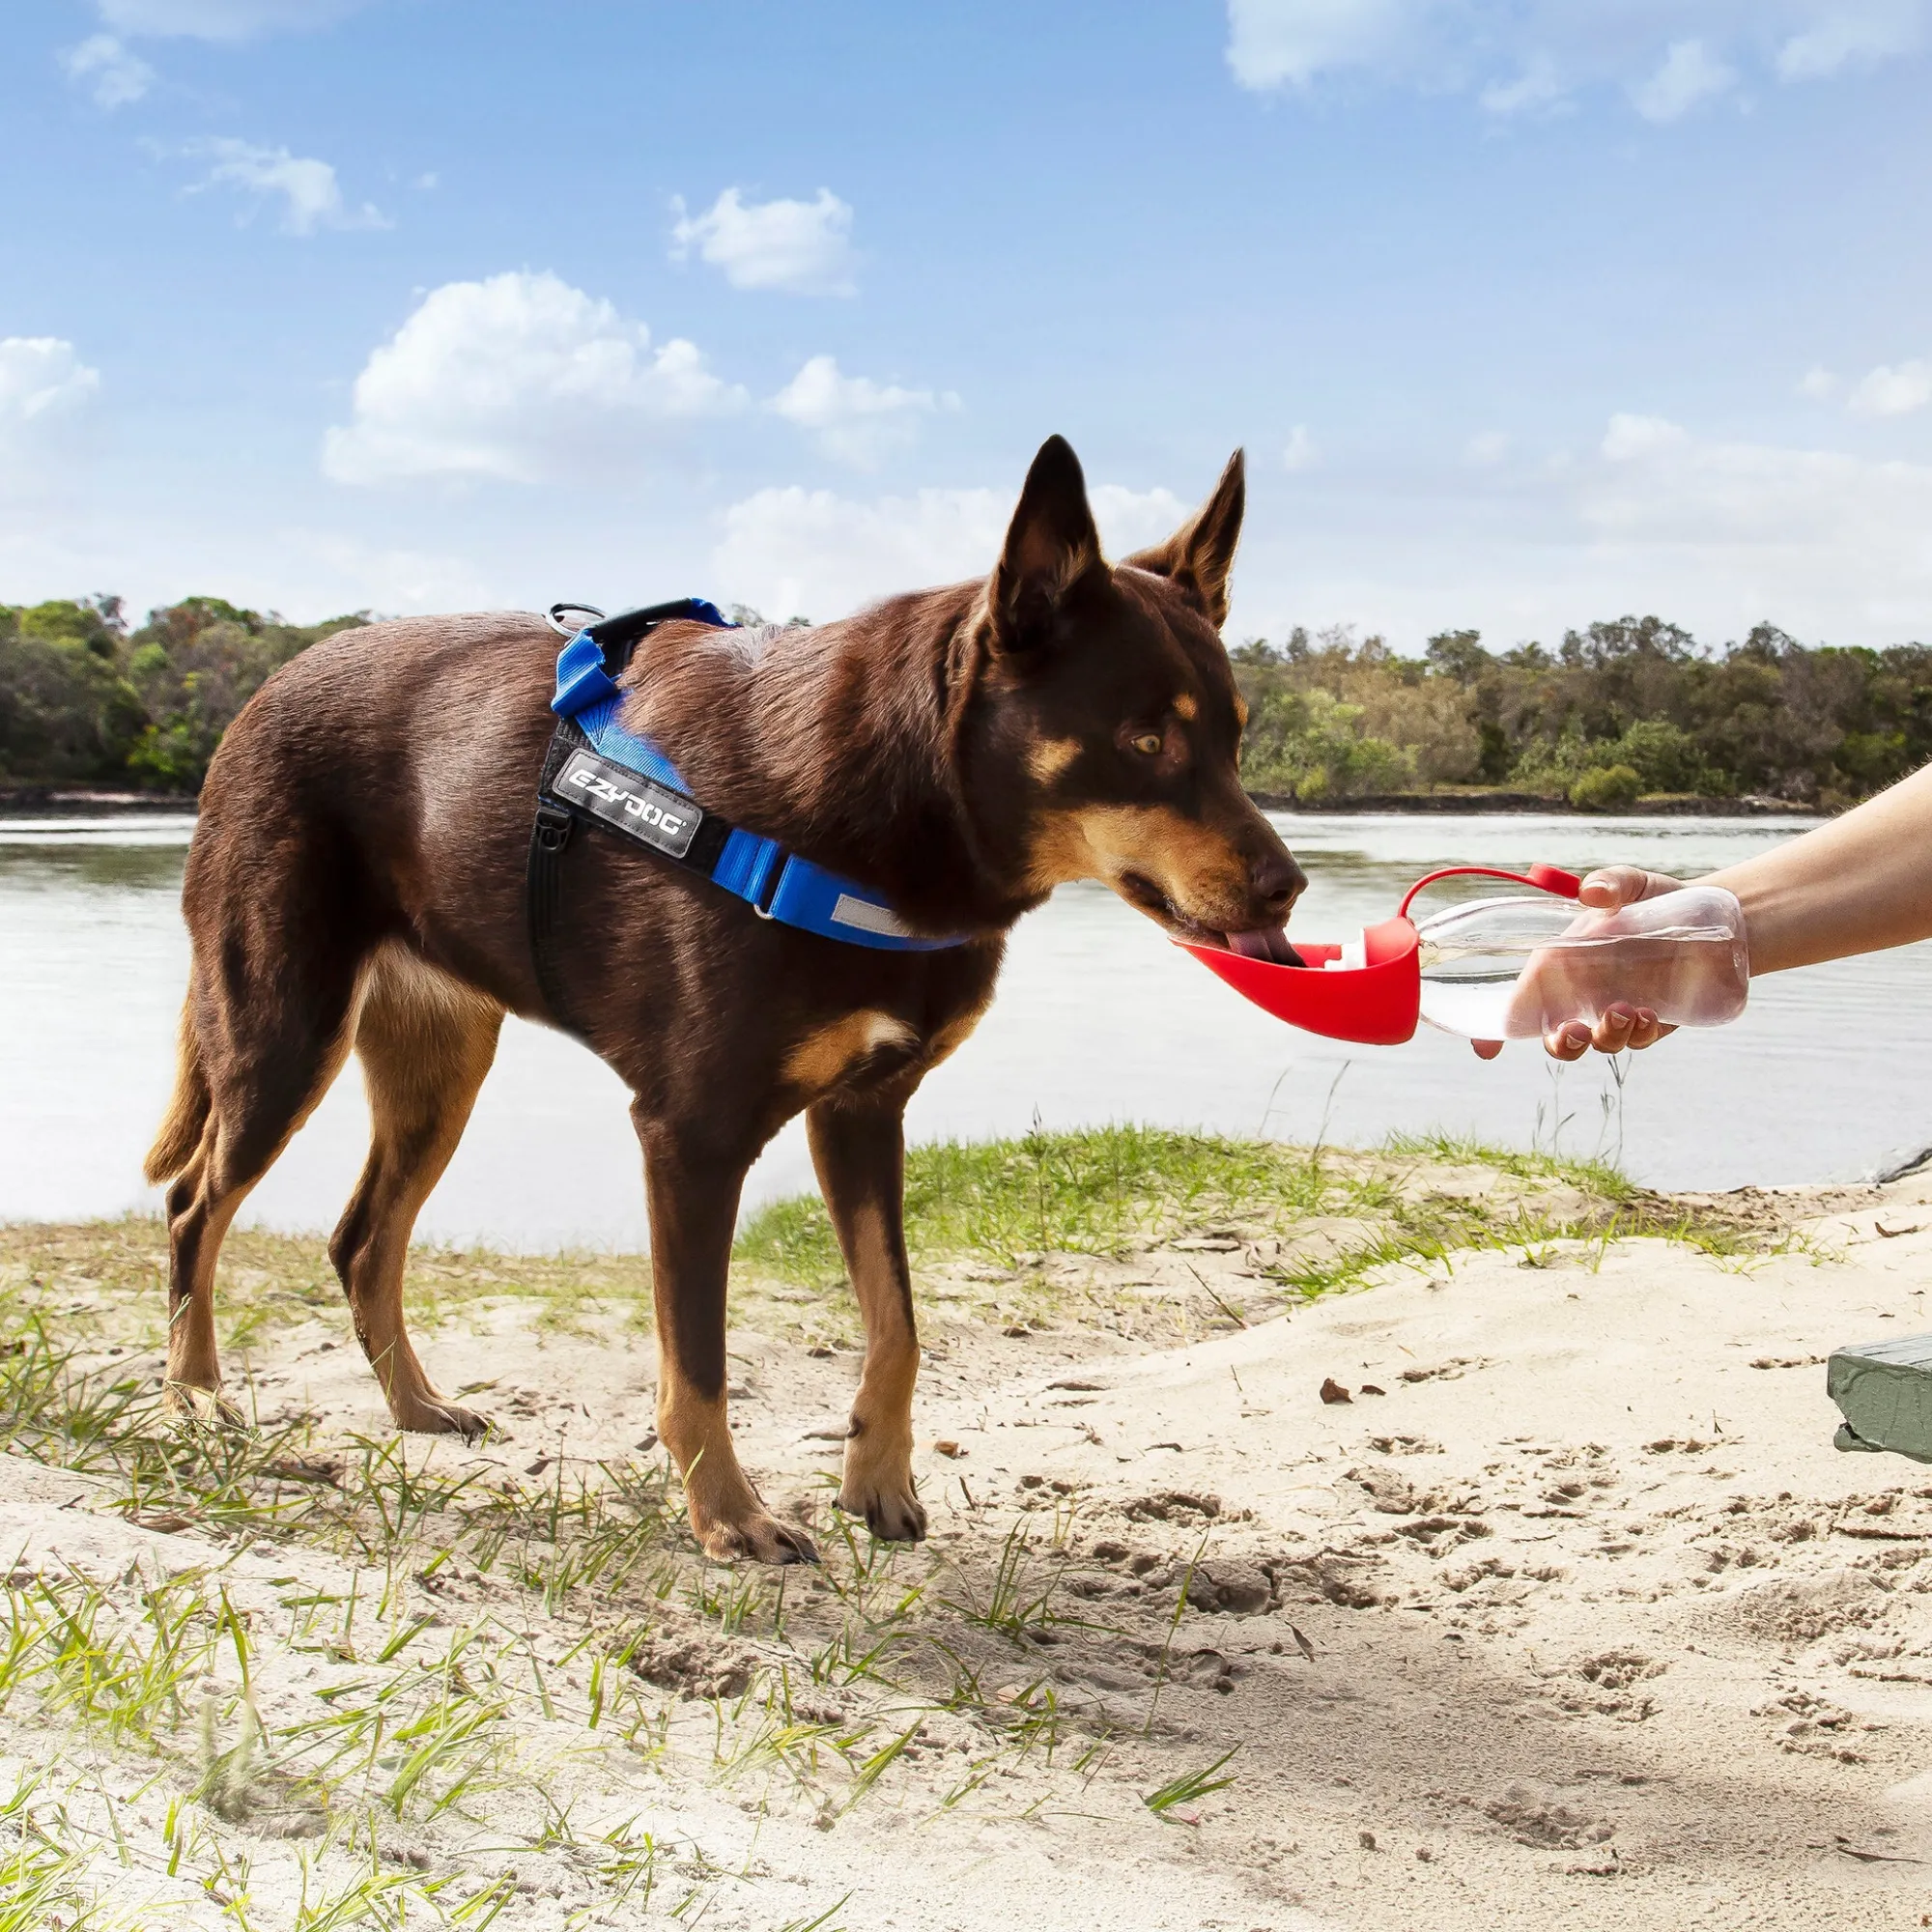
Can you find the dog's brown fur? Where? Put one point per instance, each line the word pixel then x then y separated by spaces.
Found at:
pixel 356 882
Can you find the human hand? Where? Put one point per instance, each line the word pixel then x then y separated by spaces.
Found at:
pixel 1621 1024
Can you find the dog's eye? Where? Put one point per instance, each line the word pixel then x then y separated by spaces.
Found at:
pixel 1147 742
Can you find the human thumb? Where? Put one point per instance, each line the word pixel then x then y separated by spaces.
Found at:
pixel 1614 887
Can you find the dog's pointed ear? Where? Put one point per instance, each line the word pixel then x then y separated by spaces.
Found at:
pixel 1200 554
pixel 1051 544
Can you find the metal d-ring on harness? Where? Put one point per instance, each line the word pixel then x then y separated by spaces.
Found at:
pixel 595 770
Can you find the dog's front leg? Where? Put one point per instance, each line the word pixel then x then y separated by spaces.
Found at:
pixel 859 1151
pixel 694 1204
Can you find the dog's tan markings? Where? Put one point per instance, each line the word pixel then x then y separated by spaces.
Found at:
pixel 726 1517
pixel 181 1131
pixel 878 1480
pixel 827 1054
pixel 691 1246
pixel 1240 711
pixel 208 1192
pixel 1196 868
pixel 192 1384
pixel 1185 707
pixel 1051 757
pixel 857 1156
pixel 426 1042
pixel 955 1034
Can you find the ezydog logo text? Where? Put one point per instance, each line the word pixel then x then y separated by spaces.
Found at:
pixel 632 803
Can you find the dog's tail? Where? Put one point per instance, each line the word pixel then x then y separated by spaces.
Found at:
pixel 181 1130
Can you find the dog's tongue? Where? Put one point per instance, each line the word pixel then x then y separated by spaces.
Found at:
pixel 1266 942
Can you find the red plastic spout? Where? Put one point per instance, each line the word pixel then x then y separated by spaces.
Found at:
pixel 1378 1003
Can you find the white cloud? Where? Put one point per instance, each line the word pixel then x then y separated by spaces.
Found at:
pixel 814 554
pixel 1688 74
pixel 347 572
pixel 41 376
pixel 1299 451
pixel 1132 518
pixel 1797 534
pixel 1716 534
pixel 1536 87
pixel 108 71
pixel 1818 383
pixel 803 247
pixel 1630 438
pixel 1852 34
pixel 517 379
pixel 1523 55
pixel 855 420
pixel 1892 389
pixel 1276 42
pixel 221 19
pixel 311 196
pixel 810 553
pixel 43 385
pixel 1487 448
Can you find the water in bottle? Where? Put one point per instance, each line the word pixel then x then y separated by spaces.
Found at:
pixel 1517 967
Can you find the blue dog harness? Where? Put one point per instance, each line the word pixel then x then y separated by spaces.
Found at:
pixel 596 770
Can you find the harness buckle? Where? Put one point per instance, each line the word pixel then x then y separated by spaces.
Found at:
pixel 551 832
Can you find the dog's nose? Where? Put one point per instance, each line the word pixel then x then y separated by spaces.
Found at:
pixel 1276 882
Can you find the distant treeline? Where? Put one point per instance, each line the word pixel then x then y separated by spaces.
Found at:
pixel 1617 712
pixel 84 700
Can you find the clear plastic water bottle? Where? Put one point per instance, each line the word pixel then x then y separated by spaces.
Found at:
pixel 1518 967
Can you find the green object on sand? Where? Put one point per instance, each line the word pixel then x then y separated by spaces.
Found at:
pixel 1884 1392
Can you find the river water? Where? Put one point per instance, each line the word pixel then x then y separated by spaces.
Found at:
pixel 1097 1019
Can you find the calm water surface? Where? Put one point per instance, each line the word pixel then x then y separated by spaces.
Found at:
pixel 1098 1018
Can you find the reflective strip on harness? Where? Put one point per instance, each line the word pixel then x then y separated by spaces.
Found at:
pixel 869 917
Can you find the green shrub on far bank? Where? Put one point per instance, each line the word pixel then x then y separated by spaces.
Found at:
pixel 84 700
pixel 1618 711
pixel 1605 788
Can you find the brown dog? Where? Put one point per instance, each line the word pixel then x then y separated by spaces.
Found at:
pixel 356 880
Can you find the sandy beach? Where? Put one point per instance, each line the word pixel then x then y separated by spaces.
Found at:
pixel 1569 1614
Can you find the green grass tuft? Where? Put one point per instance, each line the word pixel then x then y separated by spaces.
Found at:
pixel 1092 1192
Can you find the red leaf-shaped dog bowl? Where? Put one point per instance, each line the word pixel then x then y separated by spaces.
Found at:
pixel 1375 999
pixel 1376 1003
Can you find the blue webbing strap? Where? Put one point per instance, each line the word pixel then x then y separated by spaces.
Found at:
pixel 776 884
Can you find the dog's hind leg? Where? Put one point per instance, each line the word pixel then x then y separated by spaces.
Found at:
pixel 425 1041
pixel 859 1151
pixel 693 1202
pixel 268 1059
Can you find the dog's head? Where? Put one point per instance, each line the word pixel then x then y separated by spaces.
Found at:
pixel 1112 719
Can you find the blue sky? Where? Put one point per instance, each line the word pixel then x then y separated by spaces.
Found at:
pixel 1527 311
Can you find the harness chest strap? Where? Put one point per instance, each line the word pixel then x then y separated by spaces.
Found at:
pixel 596 770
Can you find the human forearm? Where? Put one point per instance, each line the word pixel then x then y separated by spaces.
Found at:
pixel 1858 885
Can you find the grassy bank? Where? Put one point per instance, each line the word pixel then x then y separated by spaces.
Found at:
pixel 1043 1228
pixel 311 1677
pixel 1023 1215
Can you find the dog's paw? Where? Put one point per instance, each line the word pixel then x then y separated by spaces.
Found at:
pixel 757 1539
pixel 433 1416
pixel 892 1512
pixel 190 1404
